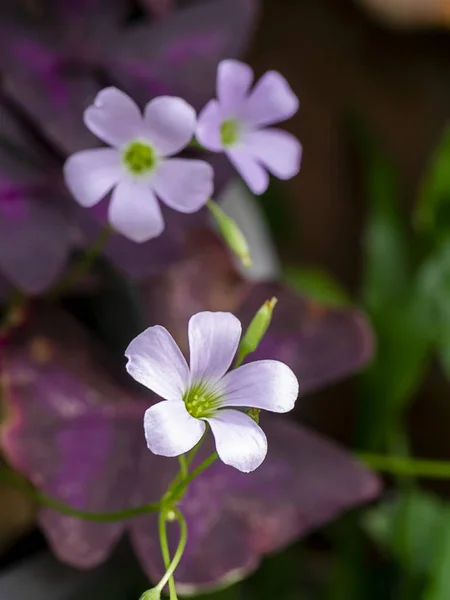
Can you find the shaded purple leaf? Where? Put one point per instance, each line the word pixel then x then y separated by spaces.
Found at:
pixel 234 519
pixel 70 433
pixel 158 8
pixel 34 228
pixel 179 55
pixel 320 344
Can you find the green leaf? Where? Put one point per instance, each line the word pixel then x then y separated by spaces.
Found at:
pixel 434 196
pixel 387 266
pixel 439 585
pixel 407 529
pixel 317 285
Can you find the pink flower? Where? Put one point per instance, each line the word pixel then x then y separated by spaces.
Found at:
pixel 137 167
pixel 205 393
pixel 237 122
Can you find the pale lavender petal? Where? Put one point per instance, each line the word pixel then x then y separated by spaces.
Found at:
pixel 271 101
pixel 170 124
pixel 279 151
pixel 213 341
pixel 240 442
pixel 208 127
pixel 134 211
pixel 184 184
pixel 254 175
pixel 170 430
pixel 234 79
pixel 91 174
pixel 155 360
pixel 266 384
pixel 114 117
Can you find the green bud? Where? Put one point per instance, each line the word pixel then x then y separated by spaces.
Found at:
pixel 231 233
pixel 256 330
pixel 153 594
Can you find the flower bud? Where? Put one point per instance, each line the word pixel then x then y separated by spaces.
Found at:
pixel 231 233
pixel 153 594
pixel 257 329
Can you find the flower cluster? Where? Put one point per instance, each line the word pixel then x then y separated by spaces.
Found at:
pixel 140 165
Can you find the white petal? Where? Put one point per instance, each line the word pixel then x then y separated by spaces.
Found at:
pixel 184 184
pixel 266 384
pixel 114 117
pixel 240 442
pixel 213 341
pixel 170 124
pixel 278 150
pixel 91 174
pixel 134 211
pixel 234 79
pixel 155 360
pixel 271 101
pixel 208 127
pixel 254 175
pixel 170 430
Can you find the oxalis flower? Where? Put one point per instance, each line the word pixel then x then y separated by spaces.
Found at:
pixel 237 122
pixel 137 166
pixel 206 393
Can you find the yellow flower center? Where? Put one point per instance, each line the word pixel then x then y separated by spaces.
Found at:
pixel 139 158
pixel 201 402
pixel 229 132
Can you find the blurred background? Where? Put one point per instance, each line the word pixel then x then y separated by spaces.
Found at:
pixel 365 226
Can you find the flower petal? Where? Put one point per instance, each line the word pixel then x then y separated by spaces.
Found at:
pixel 155 360
pixel 114 117
pixel 170 430
pixel 254 175
pixel 266 384
pixel 213 341
pixel 240 442
pixel 170 124
pixel 272 100
pixel 278 150
pixel 184 184
pixel 91 174
pixel 208 127
pixel 234 79
pixel 134 211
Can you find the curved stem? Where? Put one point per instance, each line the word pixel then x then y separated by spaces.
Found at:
pixel 179 490
pixel 183 466
pixel 179 551
pixel 165 552
pixel 83 265
pixel 19 483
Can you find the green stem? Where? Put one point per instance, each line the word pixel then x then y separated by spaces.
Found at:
pixel 34 494
pixel 179 552
pixel 84 264
pixel 165 552
pixel 179 490
pixel 404 466
pixel 183 466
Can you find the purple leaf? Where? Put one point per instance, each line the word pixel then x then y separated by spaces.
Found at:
pixel 234 519
pixel 158 8
pixel 73 431
pixel 34 229
pixel 179 55
pixel 320 344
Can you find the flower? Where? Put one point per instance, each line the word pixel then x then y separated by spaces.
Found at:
pixel 137 166
pixel 206 392
pixel 236 124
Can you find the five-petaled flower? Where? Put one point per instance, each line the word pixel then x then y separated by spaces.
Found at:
pixel 237 122
pixel 137 166
pixel 207 391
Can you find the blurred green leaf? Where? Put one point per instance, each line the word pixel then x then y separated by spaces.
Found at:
pixel 433 289
pixel 387 266
pixel 434 196
pixel 439 586
pixel 408 528
pixel 316 284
